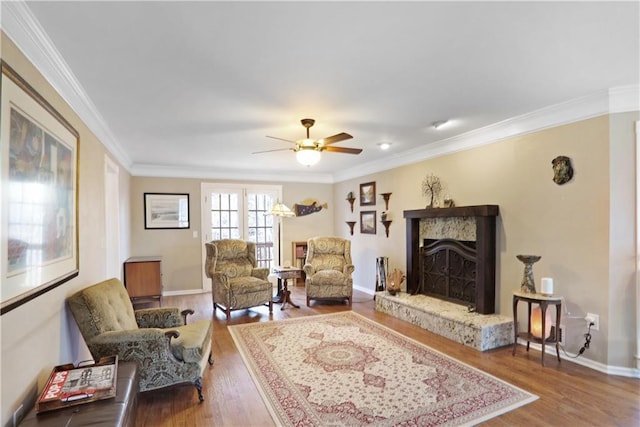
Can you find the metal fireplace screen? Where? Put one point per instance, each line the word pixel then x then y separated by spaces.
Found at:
pixel 448 270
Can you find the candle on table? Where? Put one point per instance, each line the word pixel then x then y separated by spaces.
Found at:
pixel 546 286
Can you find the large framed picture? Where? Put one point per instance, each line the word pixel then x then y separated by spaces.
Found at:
pixel 368 222
pixel 39 209
pixel 368 194
pixel 166 210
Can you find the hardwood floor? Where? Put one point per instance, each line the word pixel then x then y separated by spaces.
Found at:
pixel 570 394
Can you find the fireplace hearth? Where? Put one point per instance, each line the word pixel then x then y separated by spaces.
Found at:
pixel 450 264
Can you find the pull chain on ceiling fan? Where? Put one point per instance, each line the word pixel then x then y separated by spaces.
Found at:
pixel 308 151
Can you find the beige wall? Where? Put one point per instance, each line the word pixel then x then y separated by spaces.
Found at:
pixel 181 253
pixel 568 225
pixel 41 333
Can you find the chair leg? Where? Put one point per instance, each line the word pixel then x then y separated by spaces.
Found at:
pixel 198 384
pixel 228 311
pixel 270 306
pixel 308 301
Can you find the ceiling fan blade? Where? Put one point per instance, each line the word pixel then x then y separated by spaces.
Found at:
pixel 343 150
pixel 269 151
pixel 281 139
pixel 335 138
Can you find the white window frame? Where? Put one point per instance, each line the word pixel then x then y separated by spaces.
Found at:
pixel 242 189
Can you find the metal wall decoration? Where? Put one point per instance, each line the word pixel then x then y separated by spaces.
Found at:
pixel 562 170
pixel 308 207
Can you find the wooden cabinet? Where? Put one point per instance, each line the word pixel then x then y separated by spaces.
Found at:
pixel 143 278
pixel 299 254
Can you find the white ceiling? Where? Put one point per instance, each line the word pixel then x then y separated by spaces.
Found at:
pixel 199 85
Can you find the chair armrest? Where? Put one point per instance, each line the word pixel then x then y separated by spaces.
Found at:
pixel 164 317
pixel 185 313
pixel 220 279
pixel 136 344
pixel 260 273
pixel 308 269
pixel 348 269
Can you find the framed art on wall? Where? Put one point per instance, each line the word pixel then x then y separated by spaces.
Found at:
pixel 368 194
pixel 166 210
pixel 368 222
pixel 39 168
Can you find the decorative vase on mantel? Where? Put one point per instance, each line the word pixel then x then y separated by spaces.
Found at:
pixel 528 285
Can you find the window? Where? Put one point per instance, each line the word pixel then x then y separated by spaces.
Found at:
pixel 241 212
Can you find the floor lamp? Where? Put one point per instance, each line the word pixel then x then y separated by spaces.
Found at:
pixel 280 210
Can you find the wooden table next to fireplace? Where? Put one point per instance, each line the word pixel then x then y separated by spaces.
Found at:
pixel 544 301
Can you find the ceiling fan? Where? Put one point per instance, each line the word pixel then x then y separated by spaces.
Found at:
pixel 308 150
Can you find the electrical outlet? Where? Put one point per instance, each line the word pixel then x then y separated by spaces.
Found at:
pixel 17 415
pixel 552 334
pixel 593 318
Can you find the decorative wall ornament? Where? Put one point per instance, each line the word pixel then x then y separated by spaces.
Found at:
pixel 562 170
pixel 351 199
pixel 309 206
pixel 431 188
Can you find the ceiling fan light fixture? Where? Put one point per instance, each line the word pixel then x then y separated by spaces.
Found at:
pixel 308 156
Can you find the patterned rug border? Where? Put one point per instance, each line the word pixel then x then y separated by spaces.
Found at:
pixel 351 315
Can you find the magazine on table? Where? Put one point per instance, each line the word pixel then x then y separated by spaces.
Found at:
pixel 71 385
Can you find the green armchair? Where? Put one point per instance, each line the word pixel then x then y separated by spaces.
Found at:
pixel 328 268
pixel 236 282
pixel 167 350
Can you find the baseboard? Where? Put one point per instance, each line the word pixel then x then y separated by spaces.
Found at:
pixel 365 290
pixel 584 361
pixel 184 292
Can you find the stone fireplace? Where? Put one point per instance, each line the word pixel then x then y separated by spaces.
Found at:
pixel 451 255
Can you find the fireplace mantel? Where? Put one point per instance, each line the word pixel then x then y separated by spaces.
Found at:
pixel 485 219
pixel 459 211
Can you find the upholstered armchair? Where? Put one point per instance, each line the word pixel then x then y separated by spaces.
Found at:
pixel 236 281
pixel 328 269
pixel 167 350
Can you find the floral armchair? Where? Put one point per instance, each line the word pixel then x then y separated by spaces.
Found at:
pixel 167 350
pixel 328 269
pixel 236 282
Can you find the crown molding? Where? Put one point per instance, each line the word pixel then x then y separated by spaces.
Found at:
pixel 615 100
pixel 20 25
pixel 173 171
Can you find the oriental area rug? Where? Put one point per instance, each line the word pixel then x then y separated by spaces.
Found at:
pixel 345 370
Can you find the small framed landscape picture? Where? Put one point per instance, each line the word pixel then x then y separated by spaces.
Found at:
pixel 368 194
pixel 166 210
pixel 368 222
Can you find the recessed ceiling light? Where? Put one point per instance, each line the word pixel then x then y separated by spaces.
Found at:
pixel 384 145
pixel 438 124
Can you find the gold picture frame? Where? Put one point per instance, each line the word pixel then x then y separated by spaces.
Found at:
pixel 39 210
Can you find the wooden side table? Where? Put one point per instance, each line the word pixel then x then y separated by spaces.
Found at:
pixel 284 274
pixel 544 302
pixel 143 278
